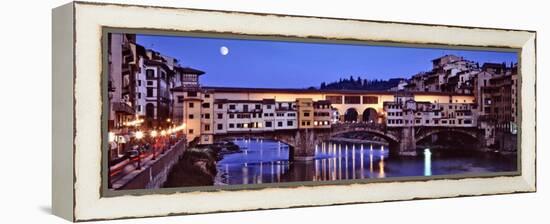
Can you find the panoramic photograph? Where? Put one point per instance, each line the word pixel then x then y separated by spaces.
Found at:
pixel 189 111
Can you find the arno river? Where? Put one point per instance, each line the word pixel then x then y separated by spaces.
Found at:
pixel 266 161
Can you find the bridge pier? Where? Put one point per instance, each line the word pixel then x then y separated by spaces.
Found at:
pixel 407 143
pixel 303 146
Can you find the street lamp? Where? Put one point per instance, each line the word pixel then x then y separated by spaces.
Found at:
pixel 139 136
pixel 163 137
pixel 168 122
pixel 154 135
pixel 109 152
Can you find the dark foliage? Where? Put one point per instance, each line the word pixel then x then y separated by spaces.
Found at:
pixel 187 172
pixel 361 84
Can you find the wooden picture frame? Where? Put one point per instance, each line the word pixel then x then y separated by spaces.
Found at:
pixel 79 190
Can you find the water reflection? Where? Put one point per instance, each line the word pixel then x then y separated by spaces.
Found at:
pixel 266 161
pixel 427 162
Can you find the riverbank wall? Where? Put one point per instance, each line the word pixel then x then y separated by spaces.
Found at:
pixel 153 175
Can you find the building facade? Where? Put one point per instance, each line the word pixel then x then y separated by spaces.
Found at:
pixel 123 65
pixel 405 111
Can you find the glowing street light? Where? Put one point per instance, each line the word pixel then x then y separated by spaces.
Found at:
pixel 154 134
pixel 163 134
pixel 139 134
pixel 136 122
pixel 111 141
pixel 111 137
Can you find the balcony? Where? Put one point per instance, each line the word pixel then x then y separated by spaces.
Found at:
pixel 122 107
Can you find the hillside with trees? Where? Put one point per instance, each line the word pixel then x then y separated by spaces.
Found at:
pixel 358 83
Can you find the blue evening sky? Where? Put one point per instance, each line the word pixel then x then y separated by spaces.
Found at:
pixel 278 64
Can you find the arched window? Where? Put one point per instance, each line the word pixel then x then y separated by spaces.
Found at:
pixel 370 115
pixel 351 115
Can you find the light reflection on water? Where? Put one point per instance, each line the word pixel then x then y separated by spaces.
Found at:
pixel 427 162
pixel 266 161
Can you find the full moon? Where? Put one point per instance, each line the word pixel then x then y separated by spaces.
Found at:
pixel 224 50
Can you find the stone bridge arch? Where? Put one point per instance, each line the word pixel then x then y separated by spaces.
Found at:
pixel 286 139
pixel 389 137
pixel 301 142
pixel 393 137
pixel 422 134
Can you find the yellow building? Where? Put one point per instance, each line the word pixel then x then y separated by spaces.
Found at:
pixel 192 114
pixel 305 113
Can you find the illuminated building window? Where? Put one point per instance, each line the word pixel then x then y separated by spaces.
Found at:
pixel 352 99
pixel 370 100
pixel 334 99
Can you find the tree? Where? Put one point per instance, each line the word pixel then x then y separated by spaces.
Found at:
pixel 361 84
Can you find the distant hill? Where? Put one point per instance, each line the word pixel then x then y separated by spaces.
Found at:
pixel 361 84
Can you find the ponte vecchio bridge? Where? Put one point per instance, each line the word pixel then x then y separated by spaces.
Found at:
pixel 401 141
pixel 303 118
